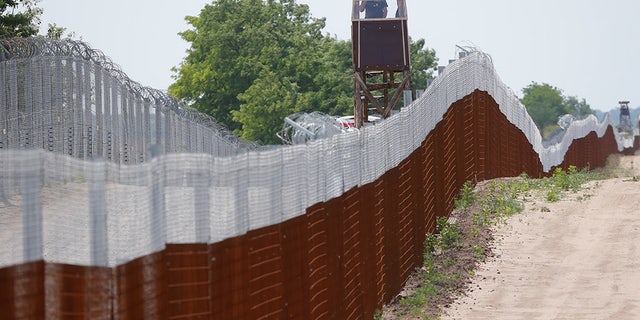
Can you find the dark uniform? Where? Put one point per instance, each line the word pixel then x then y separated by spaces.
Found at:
pixel 375 9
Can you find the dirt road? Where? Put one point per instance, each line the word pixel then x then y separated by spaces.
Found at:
pixel 579 260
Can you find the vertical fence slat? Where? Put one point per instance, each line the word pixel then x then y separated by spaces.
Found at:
pixel 146 131
pixel 13 125
pixel 4 110
pixel 116 116
pixel 38 96
pixel 68 111
pixel 89 107
pixel 108 120
pixel 78 109
pixel 47 106
pixel 139 130
pixel 26 105
pixel 99 123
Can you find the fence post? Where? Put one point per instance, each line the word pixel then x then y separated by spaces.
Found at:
pixel 98 213
pixel 3 107
pixel 30 172
pixel 202 203
pixel 158 218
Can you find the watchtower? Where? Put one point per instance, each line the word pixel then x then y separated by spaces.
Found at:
pixel 625 117
pixel 380 51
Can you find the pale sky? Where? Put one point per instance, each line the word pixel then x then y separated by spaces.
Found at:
pixel 586 48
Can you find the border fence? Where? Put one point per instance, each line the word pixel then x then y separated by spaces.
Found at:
pixel 99 225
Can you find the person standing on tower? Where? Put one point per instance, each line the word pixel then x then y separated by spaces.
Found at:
pixel 401 11
pixel 374 8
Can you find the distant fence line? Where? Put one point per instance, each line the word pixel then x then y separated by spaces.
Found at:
pixel 328 229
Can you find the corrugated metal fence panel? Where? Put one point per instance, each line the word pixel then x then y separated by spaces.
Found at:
pixel 296 271
pixel 23 291
pixel 428 183
pixel 188 279
pixel 381 241
pixel 352 266
pixel 141 288
pixel 229 278
pixel 77 292
pixel 368 251
pixel 317 224
pixel 407 212
pixel 265 291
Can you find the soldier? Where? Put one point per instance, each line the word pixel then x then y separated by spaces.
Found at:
pixel 374 8
pixel 400 12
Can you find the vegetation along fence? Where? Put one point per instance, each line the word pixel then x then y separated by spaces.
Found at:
pixel 117 202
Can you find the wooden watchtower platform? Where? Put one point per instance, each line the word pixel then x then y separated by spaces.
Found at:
pixel 381 61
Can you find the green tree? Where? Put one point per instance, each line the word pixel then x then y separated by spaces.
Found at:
pixel 264 105
pixel 56 32
pixel 234 41
pixel 579 108
pixel 423 61
pixel 544 104
pixel 19 18
pixel 332 91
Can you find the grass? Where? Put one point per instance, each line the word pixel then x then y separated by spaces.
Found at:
pixel 451 255
pixel 449 234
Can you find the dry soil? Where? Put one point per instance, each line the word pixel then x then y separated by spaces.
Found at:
pixel 578 258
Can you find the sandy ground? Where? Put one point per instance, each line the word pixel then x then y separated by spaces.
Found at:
pixel 580 260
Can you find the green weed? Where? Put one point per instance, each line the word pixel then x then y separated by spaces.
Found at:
pixel 562 181
pixel 553 195
pixel 466 197
pixel 449 233
pixel 430 244
pixel 478 251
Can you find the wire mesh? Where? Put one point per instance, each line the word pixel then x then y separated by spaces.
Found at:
pixel 96 110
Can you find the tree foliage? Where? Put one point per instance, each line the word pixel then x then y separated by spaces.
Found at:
pixel 545 104
pixel 234 41
pixel 579 107
pixel 253 62
pixel 56 32
pixel 423 60
pixel 19 18
pixel 264 105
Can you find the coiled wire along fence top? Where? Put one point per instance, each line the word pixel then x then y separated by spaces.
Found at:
pixel 64 96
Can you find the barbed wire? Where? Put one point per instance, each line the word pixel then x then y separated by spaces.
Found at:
pixel 26 48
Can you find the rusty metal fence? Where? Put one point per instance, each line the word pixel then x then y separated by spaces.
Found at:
pixel 327 230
